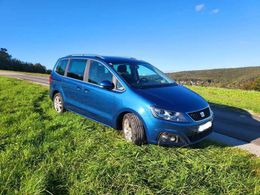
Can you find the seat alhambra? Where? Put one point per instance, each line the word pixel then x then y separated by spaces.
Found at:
pixel 130 95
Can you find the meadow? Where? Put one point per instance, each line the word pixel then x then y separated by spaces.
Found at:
pixel 236 98
pixel 44 152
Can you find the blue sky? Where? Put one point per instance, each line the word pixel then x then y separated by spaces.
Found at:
pixel 174 35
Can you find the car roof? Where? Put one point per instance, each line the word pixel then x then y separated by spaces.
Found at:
pixel 107 59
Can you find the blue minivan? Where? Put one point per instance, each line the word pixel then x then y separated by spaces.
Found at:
pixel 130 95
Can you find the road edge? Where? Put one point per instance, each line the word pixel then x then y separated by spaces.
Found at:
pixel 230 141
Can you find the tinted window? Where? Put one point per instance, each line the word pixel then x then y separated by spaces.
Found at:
pixel 77 68
pixel 122 68
pixel 142 75
pixel 61 67
pixel 125 71
pixel 98 73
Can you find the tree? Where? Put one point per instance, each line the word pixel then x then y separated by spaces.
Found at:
pixel 5 58
pixel 9 63
pixel 39 68
pixel 4 54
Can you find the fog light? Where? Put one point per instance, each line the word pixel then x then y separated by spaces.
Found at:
pixel 172 138
pixel 168 137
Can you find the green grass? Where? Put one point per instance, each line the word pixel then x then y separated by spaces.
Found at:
pixel 249 100
pixel 43 152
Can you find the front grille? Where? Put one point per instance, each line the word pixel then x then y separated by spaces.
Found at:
pixel 199 115
pixel 198 136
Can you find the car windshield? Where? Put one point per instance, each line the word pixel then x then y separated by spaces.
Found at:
pixel 142 75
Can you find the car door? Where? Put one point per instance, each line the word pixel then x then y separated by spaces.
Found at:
pixel 73 85
pixel 99 103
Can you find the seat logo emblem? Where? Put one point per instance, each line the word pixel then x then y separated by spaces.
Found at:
pixel 202 114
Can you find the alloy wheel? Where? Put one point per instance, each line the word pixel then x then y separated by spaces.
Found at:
pixel 58 103
pixel 127 130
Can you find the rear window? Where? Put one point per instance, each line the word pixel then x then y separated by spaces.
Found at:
pixel 61 67
pixel 77 68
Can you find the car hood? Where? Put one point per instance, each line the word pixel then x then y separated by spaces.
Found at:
pixel 176 98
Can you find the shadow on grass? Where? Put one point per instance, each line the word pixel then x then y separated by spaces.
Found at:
pixel 37 107
pixel 56 182
pixel 205 144
pixel 200 145
pixel 232 108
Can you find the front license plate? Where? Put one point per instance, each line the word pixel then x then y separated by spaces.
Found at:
pixel 205 126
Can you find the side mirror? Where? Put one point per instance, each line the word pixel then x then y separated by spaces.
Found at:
pixel 107 85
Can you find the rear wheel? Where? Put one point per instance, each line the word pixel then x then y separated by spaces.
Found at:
pixel 58 103
pixel 133 129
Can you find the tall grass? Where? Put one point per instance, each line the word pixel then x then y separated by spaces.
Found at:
pixel 43 152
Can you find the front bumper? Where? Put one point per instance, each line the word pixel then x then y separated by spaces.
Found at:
pixel 187 133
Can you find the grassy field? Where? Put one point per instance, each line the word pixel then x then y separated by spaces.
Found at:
pixel 43 152
pixel 249 100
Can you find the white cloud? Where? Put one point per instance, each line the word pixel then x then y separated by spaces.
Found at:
pixel 215 11
pixel 199 8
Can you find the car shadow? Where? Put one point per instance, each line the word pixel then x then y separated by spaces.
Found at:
pixel 206 144
pixel 234 126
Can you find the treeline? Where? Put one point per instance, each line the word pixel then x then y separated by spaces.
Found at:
pixel 247 78
pixel 9 63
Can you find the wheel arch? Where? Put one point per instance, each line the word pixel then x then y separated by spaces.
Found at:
pixel 120 116
pixel 53 93
pixel 119 120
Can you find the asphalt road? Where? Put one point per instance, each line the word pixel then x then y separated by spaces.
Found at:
pixel 238 124
pixel 44 80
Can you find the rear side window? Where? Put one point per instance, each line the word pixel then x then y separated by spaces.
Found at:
pixel 77 68
pixel 61 67
pixel 98 73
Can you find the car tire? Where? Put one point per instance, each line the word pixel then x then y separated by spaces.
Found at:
pixel 58 103
pixel 133 129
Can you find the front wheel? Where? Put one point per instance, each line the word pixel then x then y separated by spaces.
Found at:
pixel 58 103
pixel 133 129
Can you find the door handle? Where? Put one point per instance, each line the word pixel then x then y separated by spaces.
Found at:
pixel 86 90
pixel 78 88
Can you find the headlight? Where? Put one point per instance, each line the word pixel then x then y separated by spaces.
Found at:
pixel 168 115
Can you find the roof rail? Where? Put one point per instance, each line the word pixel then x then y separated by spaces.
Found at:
pixel 92 55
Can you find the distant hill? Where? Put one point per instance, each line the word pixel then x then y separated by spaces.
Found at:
pixel 243 78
